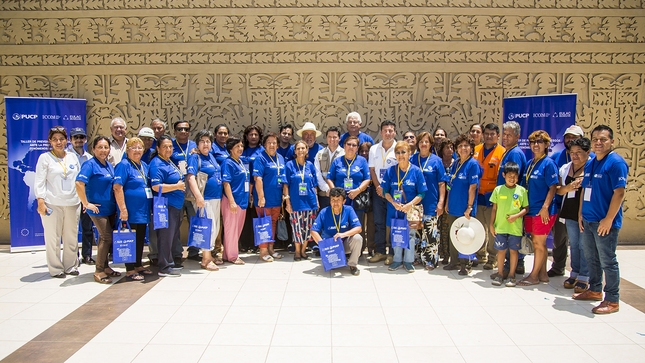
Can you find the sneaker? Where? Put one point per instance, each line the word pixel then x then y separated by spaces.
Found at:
pixel 511 282
pixel 553 273
pixel 354 270
pixel 497 281
pixel 89 261
pixel 395 266
pixel 378 257
pixel 408 267
pixel 389 259
pixel 169 273
pixel 177 267
pixel 504 275
pixel 73 271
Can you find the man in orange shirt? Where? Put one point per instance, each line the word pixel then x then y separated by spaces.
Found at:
pixel 489 154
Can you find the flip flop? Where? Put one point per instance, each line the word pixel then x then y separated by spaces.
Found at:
pixel 267 258
pixel 218 261
pixel 134 277
pixel 209 266
pixel 527 283
pixel 145 271
pixel 238 261
pixel 276 255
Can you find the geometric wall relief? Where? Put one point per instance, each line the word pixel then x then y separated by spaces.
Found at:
pixel 414 100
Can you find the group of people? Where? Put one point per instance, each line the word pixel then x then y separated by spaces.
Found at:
pixel 352 188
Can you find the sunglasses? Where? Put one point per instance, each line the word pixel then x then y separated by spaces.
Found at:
pixel 538 141
pixel 408 137
pixel 184 129
pixel 78 137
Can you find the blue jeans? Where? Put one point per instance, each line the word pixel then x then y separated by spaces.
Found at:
pixel 379 207
pixel 600 252
pixel 579 267
pixel 406 254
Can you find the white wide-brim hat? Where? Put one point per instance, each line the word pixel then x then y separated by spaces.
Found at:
pixel 308 126
pixel 467 235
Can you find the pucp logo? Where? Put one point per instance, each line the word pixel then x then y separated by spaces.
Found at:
pixel 512 116
pixel 22 116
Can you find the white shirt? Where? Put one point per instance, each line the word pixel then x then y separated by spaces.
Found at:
pixel 322 179
pixel 51 174
pixel 81 158
pixel 381 158
pixel 116 152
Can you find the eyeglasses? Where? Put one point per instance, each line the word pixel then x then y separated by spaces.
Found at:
pixel 401 152
pixel 408 137
pixel 538 141
pixel 183 129
pixel 136 148
pixel 79 137
pixel 351 145
pixel 602 140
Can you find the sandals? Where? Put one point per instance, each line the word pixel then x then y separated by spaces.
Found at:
pixel 210 266
pixel 429 267
pixel 238 261
pixel 527 283
pixel 102 280
pixel 218 261
pixel 134 277
pixel 580 286
pixel 276 255
pixel 144 271
pixel 569 283
pixel 113 273
pixel 267 258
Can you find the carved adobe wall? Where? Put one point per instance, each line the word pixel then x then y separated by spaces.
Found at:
pixel 422 63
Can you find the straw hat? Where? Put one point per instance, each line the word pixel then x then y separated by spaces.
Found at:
pixel 467 235
pixel 308 126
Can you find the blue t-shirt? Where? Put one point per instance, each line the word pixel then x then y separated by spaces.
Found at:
pixel 98 179
pixel 134 180
pixel 311 154
pixel 166 172
pixel 294 175
pixel 180 152
pixel 219 152
pixel 271 170
pixel 603 176
pixel 362 137
pixel 325 223
pixel 213 189
pixel 412 182
pixel 147 155
pixel 284 151
pixel 235 173
pixel 358 171
pixel 516 155
pixel 540 178
pixel 459 181
pixel 248 157
pixel 433 173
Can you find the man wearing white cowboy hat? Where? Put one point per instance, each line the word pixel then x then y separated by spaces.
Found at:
pixel 308 134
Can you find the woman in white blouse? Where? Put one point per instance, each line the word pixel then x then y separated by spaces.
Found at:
pixel 58 204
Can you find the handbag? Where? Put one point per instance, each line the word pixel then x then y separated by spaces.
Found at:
pixel 527 245
pixel 281 228
pixel 201 226
pixel 160 211
pixel 262 229
pixel 400 232
pixel 124 244
pixel 415 215
pixel 201 178
pixel 363 201
pixel 332 253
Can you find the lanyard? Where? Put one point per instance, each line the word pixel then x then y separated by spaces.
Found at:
pixel 424 164
pixel 302 172
pixel 145 180
pixel 61 163
pixel 349 165
pixel 506 152
pixel 385 155
pixel 276 161
pixel 398 176
pixel 340 218
pixel 182 150
pixel 457 171
pixel 239 162
pixel 530 170
pixel 174 166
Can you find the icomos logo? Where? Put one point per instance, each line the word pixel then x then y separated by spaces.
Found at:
pixel 51 117
pixel 22 116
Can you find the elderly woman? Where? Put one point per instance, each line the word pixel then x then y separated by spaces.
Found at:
pixel 411 139
pixel 236 181
pixel 433 201
pixel 134 199
pixel 301 197
pixel 58 203
pixel 571 175
pixel 541 180
pixel 404 187
pixel 445 151
pixel 166 178
pixel 94 188
pixel 211 198
pixel 268 174
pixel 462 188
pixel 252 148
pixel 351 173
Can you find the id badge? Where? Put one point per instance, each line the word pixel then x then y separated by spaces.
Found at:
pixel 246 186
pixel 571 194
pixel 183 167
pixel 397 195
pixel 587 196
pixel 348 183
pixel 382 173
pixel 66 184
pixel 280 179
pixel 148 193
pixel 302 189
pixel 246 166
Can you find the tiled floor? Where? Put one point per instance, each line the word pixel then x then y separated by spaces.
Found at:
pixel 295 312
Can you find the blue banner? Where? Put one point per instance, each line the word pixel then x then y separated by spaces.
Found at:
pixel 551 113
pixel 28 124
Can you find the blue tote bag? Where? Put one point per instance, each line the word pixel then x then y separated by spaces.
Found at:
pixel 332 253
pixel 124 244
pixel 400 232
pixel 262 229
pixel 201 227
pixel 160 211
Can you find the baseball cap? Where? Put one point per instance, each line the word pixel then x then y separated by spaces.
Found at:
pixel 574 130
pixel 77 131
pixel 146 132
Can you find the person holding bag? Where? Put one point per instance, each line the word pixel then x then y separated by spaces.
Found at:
pixel 94 188
pixel 301 197
pixel 134 198
pixel 167 179
pixel 404 188
pixel 236 182
pixel 268 174
pixel 207 192
pixel 58 203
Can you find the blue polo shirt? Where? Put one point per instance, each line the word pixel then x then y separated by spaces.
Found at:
pixel 180 151
pixel 603 177
pixel 412 182
pixel 271 170
pixel 166 172
pixel 325 226
pixel 249 155
pixel 98 179
pixel 516 155
pixel 540 178
pixel 358 171
pixel 134 180
pixel 284 151
pixel 433 173
pixel 362 137
pixel 294 174
pixel 311 154
pixel 237 176
pixel 219 152
pixel 459 181
pixel 213 189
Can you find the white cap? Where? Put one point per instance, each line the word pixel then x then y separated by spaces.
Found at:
pixel 146 132
pixel 574 130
